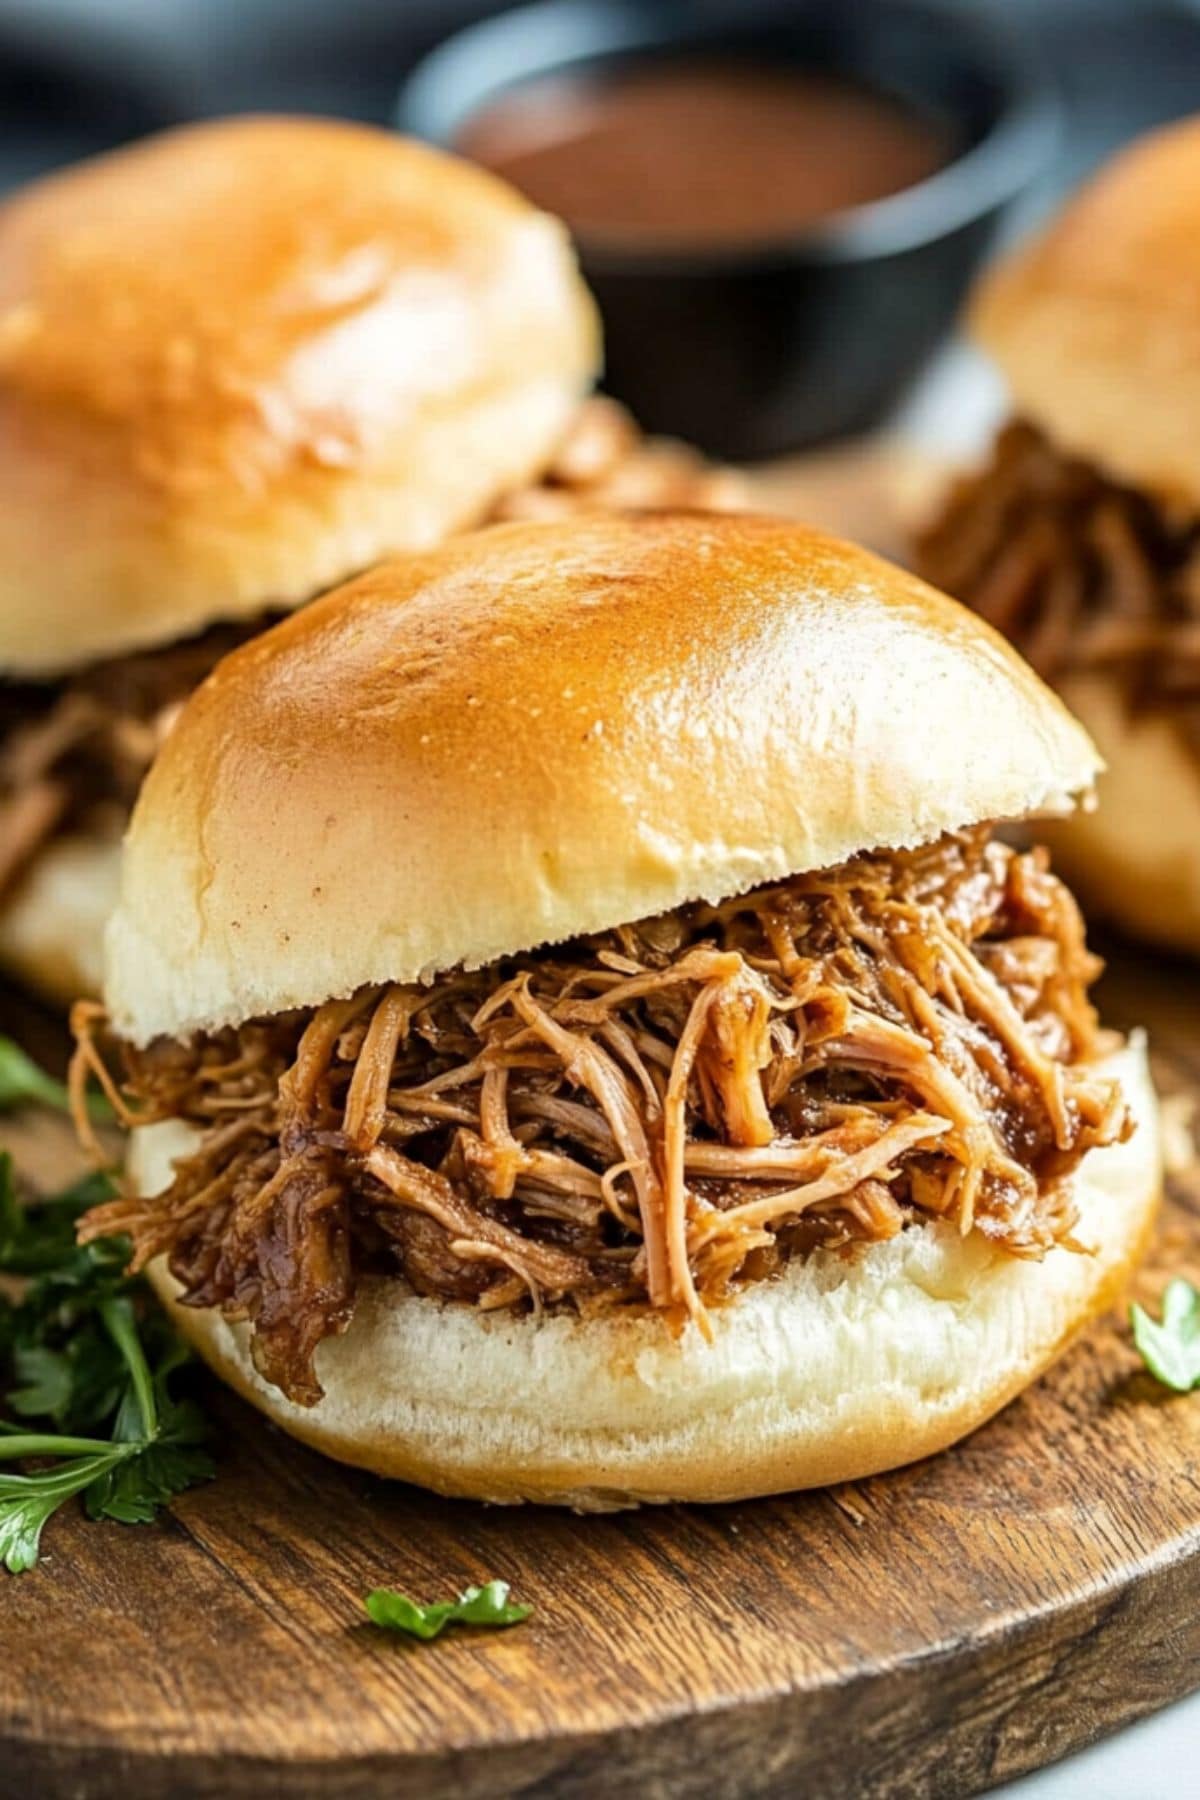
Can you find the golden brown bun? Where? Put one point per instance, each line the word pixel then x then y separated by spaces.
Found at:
pixel 1096 322
pixel 546 729
pixel 1136 859
pixel 242 360
pixel 835 1371
pixel 52 923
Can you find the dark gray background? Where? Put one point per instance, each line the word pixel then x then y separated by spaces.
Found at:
pixel 77 74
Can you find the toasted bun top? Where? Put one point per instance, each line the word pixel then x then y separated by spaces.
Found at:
pixel 1096 322
pixel 546 729
pixel 242 360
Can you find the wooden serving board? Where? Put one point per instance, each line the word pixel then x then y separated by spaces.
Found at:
pixel 929 1632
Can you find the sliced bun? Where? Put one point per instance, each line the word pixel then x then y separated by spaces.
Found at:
pixel 1136 859
pixel 1095 322
pixel 542 730
pixel 835 1371
pixel 242 360
pixel 52 923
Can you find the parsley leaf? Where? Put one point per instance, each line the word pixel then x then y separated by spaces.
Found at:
pixel 133 1491
pixel 168 1438
pixel 28 1501
pixel 21 1523
pixel 487 1605
pixel 24 1083
pixel 35 1239
pixel 47 1382
pixel 1171 1348
pixel 57 1360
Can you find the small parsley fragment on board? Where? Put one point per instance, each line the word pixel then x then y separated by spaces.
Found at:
pixel 86 1360
pixel 488 1606
pixel 1170 1347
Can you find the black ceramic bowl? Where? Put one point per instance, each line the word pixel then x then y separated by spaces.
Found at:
pixel 763 348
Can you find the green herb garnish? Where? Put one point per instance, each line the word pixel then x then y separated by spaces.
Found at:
pixel 23 1083
pixel 1170 1347
pixel 84 1350
pixel 37 1239
pixel 21 1080
pixel 488 1606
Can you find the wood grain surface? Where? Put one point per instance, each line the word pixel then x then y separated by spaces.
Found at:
pixel 929 1633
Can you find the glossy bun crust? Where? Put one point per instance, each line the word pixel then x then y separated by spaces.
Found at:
pixel 838 1369
pixel 241 360
pixel 542 730
pixel 1095 322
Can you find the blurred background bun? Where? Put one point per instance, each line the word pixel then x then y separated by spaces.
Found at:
pixel 1080 536
pixel 1095 322
pixel 246 358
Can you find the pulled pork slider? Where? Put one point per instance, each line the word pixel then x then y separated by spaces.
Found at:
pixel 238 362
pixel 582 1039
pixel 1081 538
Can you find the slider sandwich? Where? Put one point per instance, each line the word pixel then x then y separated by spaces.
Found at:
pixel 1080 539
pixel 582 1039
pixel 239 362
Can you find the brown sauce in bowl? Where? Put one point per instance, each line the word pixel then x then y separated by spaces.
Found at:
pixel 702 152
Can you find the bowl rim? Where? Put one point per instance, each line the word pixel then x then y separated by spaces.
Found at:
pixel 542 37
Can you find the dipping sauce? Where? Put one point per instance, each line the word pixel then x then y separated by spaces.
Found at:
pixel 702 152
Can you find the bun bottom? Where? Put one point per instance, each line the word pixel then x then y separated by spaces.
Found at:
pixel 52 924
pixel 836 1370
pixel 1136 859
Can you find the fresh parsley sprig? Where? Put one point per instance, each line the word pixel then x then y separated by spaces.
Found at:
pixel 84 1349
pixel 487 1606
pixel 1170 1347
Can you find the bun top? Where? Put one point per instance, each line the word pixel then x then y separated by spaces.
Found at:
pixel 1096 322
pixel 242 360
pixel 547 729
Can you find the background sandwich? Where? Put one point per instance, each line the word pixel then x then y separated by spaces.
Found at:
pixel 1081 538
pixel 583 1040
pixel 238 362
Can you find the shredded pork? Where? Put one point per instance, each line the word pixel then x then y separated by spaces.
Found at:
pixel 1081 573
pixel 647 1118
pixel 73 753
